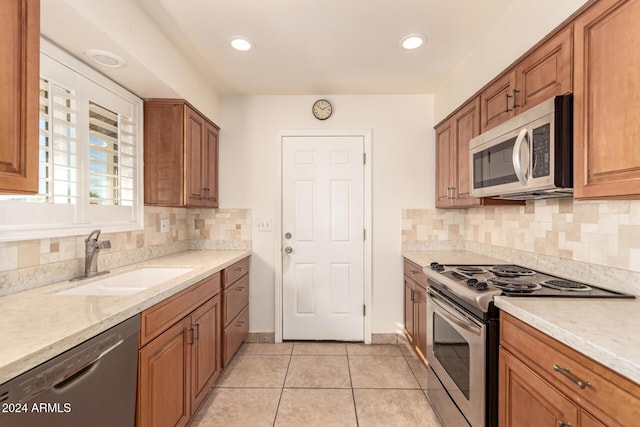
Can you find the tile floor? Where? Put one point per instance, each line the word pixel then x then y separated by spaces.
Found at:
pixel 320 384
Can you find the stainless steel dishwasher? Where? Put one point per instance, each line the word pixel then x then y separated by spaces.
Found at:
pixel 92 384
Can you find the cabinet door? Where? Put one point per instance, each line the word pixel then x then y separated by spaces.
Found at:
pixel 210 166
pixel 497 103
pixel 19 103
pixel 164 153
pixel 420 327
pixel 163 378
pixel 207 350
pixel 445 165
pixel 466 124
pixel 526 400
pixel 195 174
pixel 546 72
pixel 607 100
pixel 409 288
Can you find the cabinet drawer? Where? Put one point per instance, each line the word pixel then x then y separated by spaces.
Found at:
pixel 234 334
pixel 234 272
pixel 415 273
pixel 161 316
pixel 235 298
pixel 609 395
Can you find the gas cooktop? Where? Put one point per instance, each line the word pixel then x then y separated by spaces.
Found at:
pixel 478 284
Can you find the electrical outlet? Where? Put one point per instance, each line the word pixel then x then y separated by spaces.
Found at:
pixel 164 225
pixel 264 224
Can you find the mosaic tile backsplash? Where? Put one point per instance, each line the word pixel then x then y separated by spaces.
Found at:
pixel 588 238
pixel 28 264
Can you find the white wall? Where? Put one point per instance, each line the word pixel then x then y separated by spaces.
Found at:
pixel 402 168
pixel 521 26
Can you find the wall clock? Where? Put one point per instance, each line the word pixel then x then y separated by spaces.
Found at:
pixel 322 109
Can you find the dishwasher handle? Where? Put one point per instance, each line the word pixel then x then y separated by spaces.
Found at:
pixel 83 369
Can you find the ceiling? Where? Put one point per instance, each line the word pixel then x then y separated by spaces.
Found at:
pixel 301 47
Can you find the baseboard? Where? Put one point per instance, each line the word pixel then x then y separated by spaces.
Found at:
pixel 261 337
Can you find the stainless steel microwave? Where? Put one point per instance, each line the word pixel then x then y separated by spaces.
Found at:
pixel 528 157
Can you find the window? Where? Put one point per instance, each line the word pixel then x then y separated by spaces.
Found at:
pixel 90 171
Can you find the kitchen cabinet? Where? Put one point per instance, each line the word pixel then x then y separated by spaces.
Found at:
pixel 544 382
pixel 19 104
pixel 179 356
pixel 235 308
pixel 607 100
pixel 415 308
pixel 452 157
pixel 180 155
pixel 541 74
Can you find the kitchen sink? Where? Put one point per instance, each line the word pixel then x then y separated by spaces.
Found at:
pixel 127 283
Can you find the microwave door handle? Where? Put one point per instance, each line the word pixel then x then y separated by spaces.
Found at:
pixel 517 158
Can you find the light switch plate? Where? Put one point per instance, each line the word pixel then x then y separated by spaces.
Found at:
pixel 164 225
pixel 264 224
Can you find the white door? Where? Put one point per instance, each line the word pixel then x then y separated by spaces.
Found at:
pixel 323 225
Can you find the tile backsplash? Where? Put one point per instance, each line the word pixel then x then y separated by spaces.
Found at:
pixel 598 237
pixel 28 264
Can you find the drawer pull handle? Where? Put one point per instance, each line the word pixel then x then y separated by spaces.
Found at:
pixel 239 288
pixel 192 336
pixel 413 272
pixel 566 373
pixel 240 323
pixel 563 424
pixel 196 335
pixel 240 269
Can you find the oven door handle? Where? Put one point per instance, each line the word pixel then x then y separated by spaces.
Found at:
pixel 463 323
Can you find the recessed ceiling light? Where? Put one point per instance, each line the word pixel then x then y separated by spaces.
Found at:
pixel 413 41
pixel 106 58
pixel 241 43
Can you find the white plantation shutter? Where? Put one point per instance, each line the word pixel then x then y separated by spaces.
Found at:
pixel 62 155
pixel 90 156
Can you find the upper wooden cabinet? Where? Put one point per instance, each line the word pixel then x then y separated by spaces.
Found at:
pixel 607 100
pixel 180 155
pixel 543 73
pixel 452 157
pixel 19 103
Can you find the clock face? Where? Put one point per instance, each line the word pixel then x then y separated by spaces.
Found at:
pixel 322 109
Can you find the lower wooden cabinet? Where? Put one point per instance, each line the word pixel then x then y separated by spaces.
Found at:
pixel 542 382
pixel 178 367
pixel 415 307
pixel 235 308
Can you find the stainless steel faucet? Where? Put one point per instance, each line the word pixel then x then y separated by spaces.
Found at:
pixel 92 249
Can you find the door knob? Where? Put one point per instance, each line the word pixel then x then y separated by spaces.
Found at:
pixel 287 235
pixel 288 249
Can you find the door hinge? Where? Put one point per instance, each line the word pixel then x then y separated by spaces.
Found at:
pixel 364 234
pixel 364 310
pixel 364 158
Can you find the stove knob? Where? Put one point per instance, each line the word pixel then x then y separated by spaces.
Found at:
pixel 436 266
pixel 472 282
pixel 481 286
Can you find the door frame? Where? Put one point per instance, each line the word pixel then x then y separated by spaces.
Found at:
pixel 366 135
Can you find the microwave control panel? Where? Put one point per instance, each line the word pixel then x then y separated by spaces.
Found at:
pixel 541 151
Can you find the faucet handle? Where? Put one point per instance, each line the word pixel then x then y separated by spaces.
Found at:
pixel 96 232
pixel 105 244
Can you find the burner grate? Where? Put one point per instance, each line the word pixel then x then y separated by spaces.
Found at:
pixel 469 269
pixel 566 285
pixel 511 271
pixel 514 285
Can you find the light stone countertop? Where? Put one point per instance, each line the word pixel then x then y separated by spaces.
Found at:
pixel 605 330
pixel 36 325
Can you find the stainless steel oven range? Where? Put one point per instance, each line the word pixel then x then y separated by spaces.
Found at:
pixel 463 333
